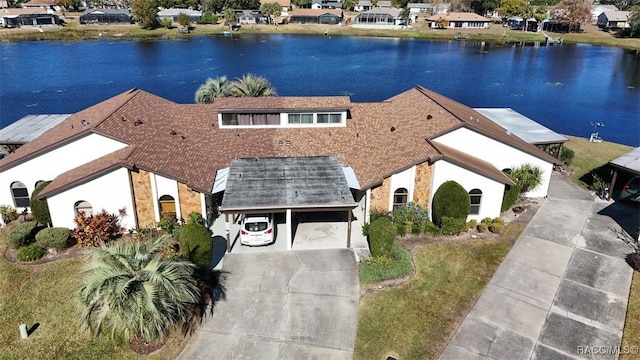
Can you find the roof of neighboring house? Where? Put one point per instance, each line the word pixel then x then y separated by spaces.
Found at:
pixel 459 16
pixel 13 12
pixel 604 8
pixel 364 3
pixel 629 161
pixel 176 12
pixel 616 15
pixel 315 12
pixel 107 11
pixel 36 3
pixel 379 138
pixel 395 12
pixel 384 3
pixel 284 3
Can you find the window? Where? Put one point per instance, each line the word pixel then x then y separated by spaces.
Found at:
pixel 400 198
pixel 233 119
pixel 20 194
pixel 300 118
pixel 329 118
pixel 167 206
pixel 475 197
pixel 83 207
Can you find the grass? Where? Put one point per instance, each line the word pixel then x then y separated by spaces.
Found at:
pixel 43 294
pixel 374 270
pixel 416 320
pixel 631 332
pixel 590 156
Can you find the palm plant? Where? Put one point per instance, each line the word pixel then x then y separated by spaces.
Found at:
pixel 528 177
pixel 252 86
pixel 130 290
pixel 213 88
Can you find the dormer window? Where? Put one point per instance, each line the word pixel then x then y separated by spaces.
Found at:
pixel 300 118
pixel 334 118
pixel 231 119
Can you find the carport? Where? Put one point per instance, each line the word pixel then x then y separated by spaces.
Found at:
pixel 286 185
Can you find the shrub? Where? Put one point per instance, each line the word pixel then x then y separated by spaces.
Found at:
pixel 483 227
pixel 31 253
pixel 450 200
pixel 386 267
pixel 510 196
pixel 528 177
pixel 183 19
pixel 567 156
pixel 166 22
pixel 54 237
pixel 453 226
pixel 374 215
pixel 410 212
pixel 167 222
pixel 382 237
pixel 472 224
pixel 96 229
pixel 40 208
pixel 431 229
pixel 22 235
pixel 496 225
pixel 196 217
pixel 208 18
pixel 416 228
pixel 8 213
pixel 196 244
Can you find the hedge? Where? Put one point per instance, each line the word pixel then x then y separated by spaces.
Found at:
pixel 54 237
pixel 31 253
pixel 450 200
pixel 40 208
pixel 22 234
pixel 382 234
pixel 196 244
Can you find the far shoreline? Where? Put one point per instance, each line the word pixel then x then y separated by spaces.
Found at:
pixel 496 33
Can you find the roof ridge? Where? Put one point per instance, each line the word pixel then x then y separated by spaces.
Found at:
pixel 136 90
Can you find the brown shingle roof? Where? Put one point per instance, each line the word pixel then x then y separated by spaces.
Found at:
pixel 88 171
pixel 184 142
pixel 472 163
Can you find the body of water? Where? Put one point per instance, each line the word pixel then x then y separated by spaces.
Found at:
pixel 565 88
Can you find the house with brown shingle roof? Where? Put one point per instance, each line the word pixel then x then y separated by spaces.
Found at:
pixel 148 155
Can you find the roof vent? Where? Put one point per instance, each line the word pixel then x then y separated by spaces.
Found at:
pixel 183 137
pixel 84 122
pixel 393 129
pixel 280 143
pixel 429 117
pixel 173 132
pixel 288 143
pixel 137 122
pixel 123 119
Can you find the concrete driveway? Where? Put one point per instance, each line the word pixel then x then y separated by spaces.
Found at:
pixel 283 305
pixel 562 291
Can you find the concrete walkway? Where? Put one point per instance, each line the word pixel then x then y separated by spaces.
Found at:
pixel 562 291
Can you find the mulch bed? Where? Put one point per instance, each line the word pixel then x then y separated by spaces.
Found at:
pixel 142 347
pixel 12 255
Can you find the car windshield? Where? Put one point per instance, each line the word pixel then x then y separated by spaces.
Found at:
pixel 255 225
pixel 634 184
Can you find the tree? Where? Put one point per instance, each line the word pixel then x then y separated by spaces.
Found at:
pixel 229 15
pixel 540 13
pixel 573 13
pixel 252 86
pixel 400 4
pixel 272 9
pixel 405 15
pixel 509 8
pixel 634 22
pixel 129 290
pixel 40 208
pixel 184 20
pixel 481 7
pixel 145 12
pixel 349 4
pixel 213 88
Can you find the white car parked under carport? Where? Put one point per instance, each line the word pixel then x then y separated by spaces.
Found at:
pixel 256 229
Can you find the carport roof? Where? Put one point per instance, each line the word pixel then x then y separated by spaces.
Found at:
pixel 286 183
pixel 629 161
pixel 521 126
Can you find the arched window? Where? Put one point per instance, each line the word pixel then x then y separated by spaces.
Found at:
pixel 83 207
pixel 400 197
pixel 167 206
pixel 20 194
pixel 475 197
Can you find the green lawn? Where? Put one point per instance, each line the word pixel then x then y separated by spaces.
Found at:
pixel 44 294
pixel 591 156
pixel 631 332
pixel 417 319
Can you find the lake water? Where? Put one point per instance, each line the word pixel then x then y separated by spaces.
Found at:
pixel 566 88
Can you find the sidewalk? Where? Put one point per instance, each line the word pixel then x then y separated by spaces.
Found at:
pixel 561 291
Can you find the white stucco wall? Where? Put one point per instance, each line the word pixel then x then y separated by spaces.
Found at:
pixel 49 165
pixel 404 179
pixel 111 192
pixel 498 154
pixel 492 191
